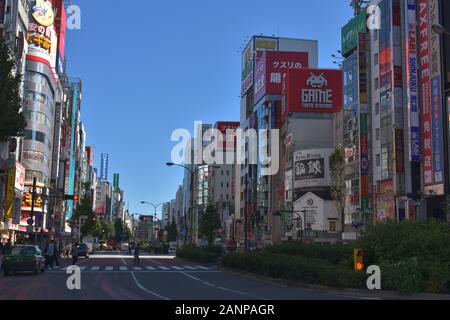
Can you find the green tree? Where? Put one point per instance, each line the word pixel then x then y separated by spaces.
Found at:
pixel 172 232
pixel 119 231
pixel 12 120
pixel 338 187
pixel 209 224
pixel 85 208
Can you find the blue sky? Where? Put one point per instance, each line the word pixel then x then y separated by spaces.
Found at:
pixel 149 67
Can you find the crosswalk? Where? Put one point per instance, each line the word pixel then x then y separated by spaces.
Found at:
pixel 159 268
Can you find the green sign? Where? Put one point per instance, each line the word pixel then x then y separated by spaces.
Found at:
pixel 350 32
pixel 116 182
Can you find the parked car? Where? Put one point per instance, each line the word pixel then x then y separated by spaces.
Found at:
pixel 83 250
pixel 24 259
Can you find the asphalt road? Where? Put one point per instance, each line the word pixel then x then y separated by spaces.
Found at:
pixel 112 277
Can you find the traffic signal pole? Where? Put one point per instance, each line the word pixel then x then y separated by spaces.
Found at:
pixel 33 199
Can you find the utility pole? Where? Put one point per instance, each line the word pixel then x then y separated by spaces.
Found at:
pixel 246 217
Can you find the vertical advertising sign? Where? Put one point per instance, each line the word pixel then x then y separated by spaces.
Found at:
pixel 116 182
pixel 426 124
pixel 104 167
pixel 351 31
pixel 412 77
pixel 436 95
pixel 247 67
pixel 364 120
pixel 10 193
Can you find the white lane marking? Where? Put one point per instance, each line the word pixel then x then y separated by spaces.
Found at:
pixel 123 269
pixel 190 268
pixel 151 268
pixel 177 268
pixel 146 290
pixel 164 268
pixel 95 268
pixel 123 261
pixel 154 261
pixel 203 268
pixel 137 269
pixel 109 268
pixel 214 286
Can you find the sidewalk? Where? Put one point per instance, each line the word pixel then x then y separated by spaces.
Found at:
pixel 367 294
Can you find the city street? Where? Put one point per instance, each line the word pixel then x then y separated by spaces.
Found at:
pixel 113 277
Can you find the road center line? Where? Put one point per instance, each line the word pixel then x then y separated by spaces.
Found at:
pixel 146 290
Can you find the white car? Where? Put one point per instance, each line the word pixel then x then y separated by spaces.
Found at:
pixel 317 81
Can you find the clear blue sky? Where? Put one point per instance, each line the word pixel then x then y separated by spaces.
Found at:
pixel 149 67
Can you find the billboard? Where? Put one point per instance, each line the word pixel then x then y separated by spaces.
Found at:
pixel 314 91
pixel 426 123
pixel 412 81
pixel 104 167
pixel 350 32
pixel 247 67
pixel 2 11
pixel 436 95
pixel 228 129
pixel 386 201
pixel 271 67
pixel 61 27
pixel 27 197
pixel 311 168
pixel 90 156
pixel 116 182
pixel 41 35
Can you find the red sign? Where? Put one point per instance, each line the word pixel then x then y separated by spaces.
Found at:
pixel 272 66
pixel 313 91
pixel 61 26
pixel 228 130
pixel 426 124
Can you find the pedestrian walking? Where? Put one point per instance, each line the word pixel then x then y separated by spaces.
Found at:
pixel 74 254
pixel 136 255
pixel 56 255
pixel 130 248
pixel 50 254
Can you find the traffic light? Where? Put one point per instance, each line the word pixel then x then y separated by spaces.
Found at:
pixel 71 197
pixel 358 258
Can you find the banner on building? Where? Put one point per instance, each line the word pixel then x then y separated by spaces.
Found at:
pixel 350 32
pixel 386 201
pixel 311 168
pixel 116 183
pixel 104 167
pixel 313 91
pixel 271 67
pixel 412 81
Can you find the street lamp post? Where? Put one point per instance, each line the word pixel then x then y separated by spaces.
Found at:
pixel 156 208
pixel 192 173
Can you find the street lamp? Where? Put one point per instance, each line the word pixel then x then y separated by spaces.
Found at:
pixel 192 172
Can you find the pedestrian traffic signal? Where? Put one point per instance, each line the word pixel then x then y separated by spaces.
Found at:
pixel 358 257
pixel 71 197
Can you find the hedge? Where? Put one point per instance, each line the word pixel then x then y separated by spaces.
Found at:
pixel 296 268
pixel 335 254
pixel 204 255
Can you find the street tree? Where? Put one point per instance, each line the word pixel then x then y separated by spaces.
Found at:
pixel 172 232
pixel 85 208
pixel 12 120
pixel 338 187
pixel 209 224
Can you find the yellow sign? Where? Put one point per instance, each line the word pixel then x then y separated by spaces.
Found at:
pixel 43 13
pixel 39 41
pixel 10 193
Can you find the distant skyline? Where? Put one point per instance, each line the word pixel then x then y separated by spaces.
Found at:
pixel 167 64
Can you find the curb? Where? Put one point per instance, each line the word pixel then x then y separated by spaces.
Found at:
pixel 367 294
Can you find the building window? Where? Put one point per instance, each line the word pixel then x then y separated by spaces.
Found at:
pixel 377 83
pixel 37 136
pixel 377 108
pixel 378 160
pixel 38 117
pixel 377 134
pixel 376 59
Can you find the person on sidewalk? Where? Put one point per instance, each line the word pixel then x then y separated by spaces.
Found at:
pixel 74 254
pixel 50 253
pixel 56 254
pixel 136 256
